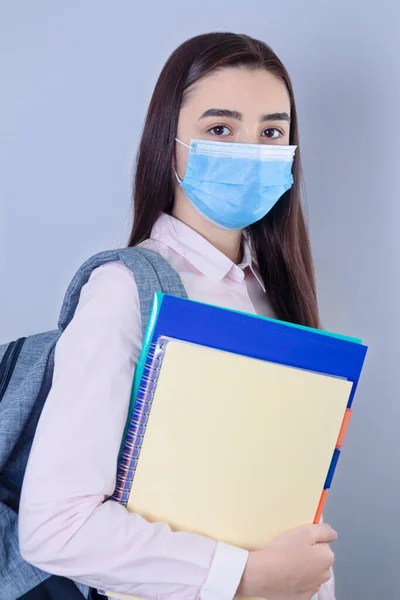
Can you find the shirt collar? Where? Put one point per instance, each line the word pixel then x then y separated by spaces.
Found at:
pixel 249 261
pixel 199 252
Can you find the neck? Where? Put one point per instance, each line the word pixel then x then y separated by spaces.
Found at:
pixel 227 242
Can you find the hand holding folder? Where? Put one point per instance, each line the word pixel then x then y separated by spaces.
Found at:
pixel 298 559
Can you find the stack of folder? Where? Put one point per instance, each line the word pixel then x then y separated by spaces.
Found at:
pixel 236 422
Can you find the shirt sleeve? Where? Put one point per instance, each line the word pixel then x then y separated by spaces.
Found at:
pixel 65 526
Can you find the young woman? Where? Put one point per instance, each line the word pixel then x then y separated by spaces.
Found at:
pixel 238 239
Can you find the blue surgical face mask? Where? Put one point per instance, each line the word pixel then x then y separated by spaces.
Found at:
pixel 235 185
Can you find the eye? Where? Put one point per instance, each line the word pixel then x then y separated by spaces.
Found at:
pixel 272 133
pixel 219 130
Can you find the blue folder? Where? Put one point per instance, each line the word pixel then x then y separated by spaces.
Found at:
pixel 253 336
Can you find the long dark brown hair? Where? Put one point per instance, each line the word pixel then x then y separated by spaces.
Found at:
pixel 280 239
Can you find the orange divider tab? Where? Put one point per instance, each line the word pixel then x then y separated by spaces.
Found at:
pixel 321 507
pixel 343 430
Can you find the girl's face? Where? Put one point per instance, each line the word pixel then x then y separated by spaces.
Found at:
pixel 235 104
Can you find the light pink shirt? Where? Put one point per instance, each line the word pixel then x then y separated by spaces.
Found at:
pixel 65 526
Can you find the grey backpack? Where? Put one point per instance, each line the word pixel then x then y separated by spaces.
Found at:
pixel 26 369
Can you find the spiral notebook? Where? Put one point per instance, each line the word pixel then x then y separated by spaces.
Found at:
pixel 258 434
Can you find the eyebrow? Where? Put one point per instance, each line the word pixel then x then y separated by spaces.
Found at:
pixel 278 116
pixel 222 112
pixel 234 114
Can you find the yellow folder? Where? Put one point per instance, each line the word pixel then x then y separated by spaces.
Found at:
pixel 236 449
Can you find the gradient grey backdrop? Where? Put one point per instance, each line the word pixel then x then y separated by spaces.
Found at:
pixel 75 81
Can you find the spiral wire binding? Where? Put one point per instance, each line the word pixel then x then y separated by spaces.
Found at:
pixel 138 421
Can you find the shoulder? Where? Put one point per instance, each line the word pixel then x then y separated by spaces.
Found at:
pixel 107 323
pixel 111 290
pixel 115 272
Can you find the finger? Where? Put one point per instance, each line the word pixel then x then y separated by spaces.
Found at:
pixel 325 558
pixel 326 548
pixel 323 534
pixel 309 595
pixel 326 554
pixel 326 576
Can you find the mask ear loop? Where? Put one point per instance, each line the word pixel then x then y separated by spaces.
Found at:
pixel 179 180
pixel 182 143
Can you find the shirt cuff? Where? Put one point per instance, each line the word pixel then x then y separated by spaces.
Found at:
pixel 226 572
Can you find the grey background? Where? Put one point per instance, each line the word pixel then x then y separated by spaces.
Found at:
pixel 75 81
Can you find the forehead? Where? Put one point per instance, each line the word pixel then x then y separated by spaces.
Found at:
pixel 241 89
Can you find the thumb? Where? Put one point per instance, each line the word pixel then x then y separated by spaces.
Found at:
pixel 323 534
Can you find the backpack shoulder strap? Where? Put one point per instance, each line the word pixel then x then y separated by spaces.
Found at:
pixel 152 274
